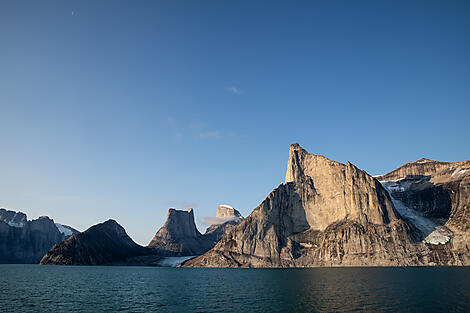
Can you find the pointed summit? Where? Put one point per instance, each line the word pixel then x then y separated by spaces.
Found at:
pixel 324 209
pixel 104 243
pixel 301 161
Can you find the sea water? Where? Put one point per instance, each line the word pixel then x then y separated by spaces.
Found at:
pixel 36 288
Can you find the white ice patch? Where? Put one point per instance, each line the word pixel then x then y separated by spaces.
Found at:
pixel 174 261
pixel 436 234
pixel 459 172
pixel 226 206
pixel 393 186
pixel 19 224
pixel 440 236
pixel 64 230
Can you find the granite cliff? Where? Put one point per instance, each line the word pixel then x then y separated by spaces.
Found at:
pixel 102 244
pixel 179 236
pixel 326 214
pixel 23 241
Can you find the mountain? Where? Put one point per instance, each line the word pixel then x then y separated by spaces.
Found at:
pixel 23 241
pixel 102 244
pixel 225 211
pixel 435 197
pixel 226 218
pixel 326 214
pixel 179 236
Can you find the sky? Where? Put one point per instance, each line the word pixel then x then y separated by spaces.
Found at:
pixel 123 109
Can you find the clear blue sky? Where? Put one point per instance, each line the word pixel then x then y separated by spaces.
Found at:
pixel 113 109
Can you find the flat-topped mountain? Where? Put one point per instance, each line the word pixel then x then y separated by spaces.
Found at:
pixel 226 218
pixel 179 235
pixel 424 167
pixel 102 244
pixel 225 211
pixel 327 214
pixel 23 241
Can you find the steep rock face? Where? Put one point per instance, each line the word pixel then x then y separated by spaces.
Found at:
pixel 103 244
pixel 179 236
pixel 326 214
pixel 334 191
pixel 215 232
pixel 422 167
pixel 12 218
pixel 442 191
pixel 23 241
pixel 228 212
pixel 436 198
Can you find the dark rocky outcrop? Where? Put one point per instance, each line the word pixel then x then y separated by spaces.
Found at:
pixel 102 244
pixel 179 236
pixel 330 214
pixel 23 241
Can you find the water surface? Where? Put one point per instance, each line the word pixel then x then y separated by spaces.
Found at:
pixel 35 288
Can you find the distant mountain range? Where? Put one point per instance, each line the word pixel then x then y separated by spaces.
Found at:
pixel 324 214
pixel 23 241
pixel 108 244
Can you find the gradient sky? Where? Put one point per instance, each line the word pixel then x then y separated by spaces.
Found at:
pixel 122 109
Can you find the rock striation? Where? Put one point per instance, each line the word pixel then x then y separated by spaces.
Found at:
pixel 102 244
pixel 23 241
pixel 435 197
pixel 227 212
pixel 215 232
pixel 179 236
pixel 326 214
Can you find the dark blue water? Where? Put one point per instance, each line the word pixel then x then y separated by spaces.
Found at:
pixel 34 288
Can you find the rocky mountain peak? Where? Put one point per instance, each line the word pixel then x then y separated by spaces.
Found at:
pixel 323 209
pixel 12 218
pixel 226 211
pixel 179 223
pixel 104 243
pixel 23 241
pixel 424 160
pixel 332 191
pixel 179 235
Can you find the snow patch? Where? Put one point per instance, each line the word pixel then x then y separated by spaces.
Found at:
pixel 459 172
pixel 174 261
pixel 440 236
pixel 226 206
pixel 19 224
pixel 64 230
